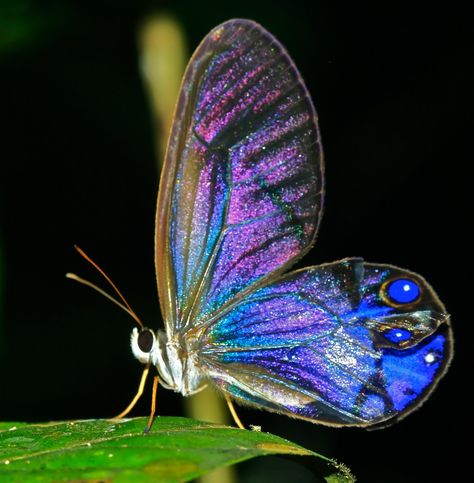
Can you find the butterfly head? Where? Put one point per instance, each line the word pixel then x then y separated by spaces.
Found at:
pixel 173 359
pixel 150 348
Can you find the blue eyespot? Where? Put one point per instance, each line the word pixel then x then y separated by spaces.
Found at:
pixel 403 291
pixel 398 335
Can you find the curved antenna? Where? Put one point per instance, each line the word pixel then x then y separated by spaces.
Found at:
pixel 125 307
pixel 76 278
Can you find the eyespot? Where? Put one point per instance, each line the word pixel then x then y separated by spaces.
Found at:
pixel 398 335
pixel 145 340
pixel 402 291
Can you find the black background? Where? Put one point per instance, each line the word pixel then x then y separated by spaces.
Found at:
pixel 390 84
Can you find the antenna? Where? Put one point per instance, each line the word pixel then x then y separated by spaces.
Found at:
pixel 125 307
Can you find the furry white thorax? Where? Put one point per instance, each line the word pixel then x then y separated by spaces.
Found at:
pixel 177 372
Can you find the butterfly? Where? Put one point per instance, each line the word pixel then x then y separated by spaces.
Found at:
pixel 347 343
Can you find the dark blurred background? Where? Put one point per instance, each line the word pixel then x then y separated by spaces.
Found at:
pixel 391 86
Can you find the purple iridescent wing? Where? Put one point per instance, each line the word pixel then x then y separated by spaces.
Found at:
pixel 347 343
pixel 241 192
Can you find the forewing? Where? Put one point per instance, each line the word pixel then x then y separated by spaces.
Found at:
pixel 348 343
pixel 241 192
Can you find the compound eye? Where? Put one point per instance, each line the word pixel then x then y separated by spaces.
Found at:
pixel 146 340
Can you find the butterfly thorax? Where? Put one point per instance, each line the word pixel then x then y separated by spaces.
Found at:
pixel 175 359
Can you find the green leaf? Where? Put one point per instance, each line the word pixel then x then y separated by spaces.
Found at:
pixel 175 450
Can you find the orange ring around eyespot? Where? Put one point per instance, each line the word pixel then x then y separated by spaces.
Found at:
pixel 383 292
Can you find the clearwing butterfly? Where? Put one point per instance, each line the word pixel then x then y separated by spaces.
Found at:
pixel 347 343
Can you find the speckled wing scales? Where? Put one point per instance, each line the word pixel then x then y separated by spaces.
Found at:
pixel 347 343
pixel 241 192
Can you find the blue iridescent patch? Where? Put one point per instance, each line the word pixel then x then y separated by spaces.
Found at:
pixel 403 291
pixel 408 373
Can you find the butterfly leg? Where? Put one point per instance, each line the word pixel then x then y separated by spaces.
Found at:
pixel 232 410
pixel 138 395
pixel 153 405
